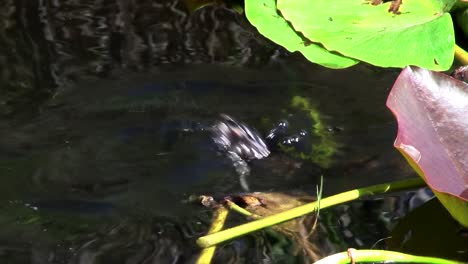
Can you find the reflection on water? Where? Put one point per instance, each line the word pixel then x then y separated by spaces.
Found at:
pixel 45 42
pixel 99 146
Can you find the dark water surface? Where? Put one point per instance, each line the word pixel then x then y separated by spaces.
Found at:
pixel 100 146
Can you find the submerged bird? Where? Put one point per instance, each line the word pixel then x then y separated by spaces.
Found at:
pixel 240 143
pixel 232 136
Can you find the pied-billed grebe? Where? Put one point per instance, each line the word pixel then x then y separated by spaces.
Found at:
pixel 242 144
pixel 233 136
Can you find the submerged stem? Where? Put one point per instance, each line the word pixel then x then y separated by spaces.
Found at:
pixel 461 55
pixel 219 218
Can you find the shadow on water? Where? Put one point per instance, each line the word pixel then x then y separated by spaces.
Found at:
pixel 102 141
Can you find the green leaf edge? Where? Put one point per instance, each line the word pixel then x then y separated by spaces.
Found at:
pixel 264 16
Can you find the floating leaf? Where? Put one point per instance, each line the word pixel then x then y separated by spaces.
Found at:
pixel 420 34
pixel 263 15
pixel 432 113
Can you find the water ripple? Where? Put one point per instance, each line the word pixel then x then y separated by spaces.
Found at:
pixel 48 43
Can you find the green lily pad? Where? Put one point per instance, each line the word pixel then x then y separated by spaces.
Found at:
pixel 263 15
pixel 421 34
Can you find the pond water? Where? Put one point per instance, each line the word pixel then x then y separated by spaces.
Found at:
pixel 100 144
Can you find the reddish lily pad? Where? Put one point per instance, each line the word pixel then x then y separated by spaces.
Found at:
pixel 432 113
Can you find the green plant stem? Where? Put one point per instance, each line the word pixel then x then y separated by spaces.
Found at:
pixel 213 239
pixel 461 55
pixel 219 218
pixel 362 256
pixel 233 206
